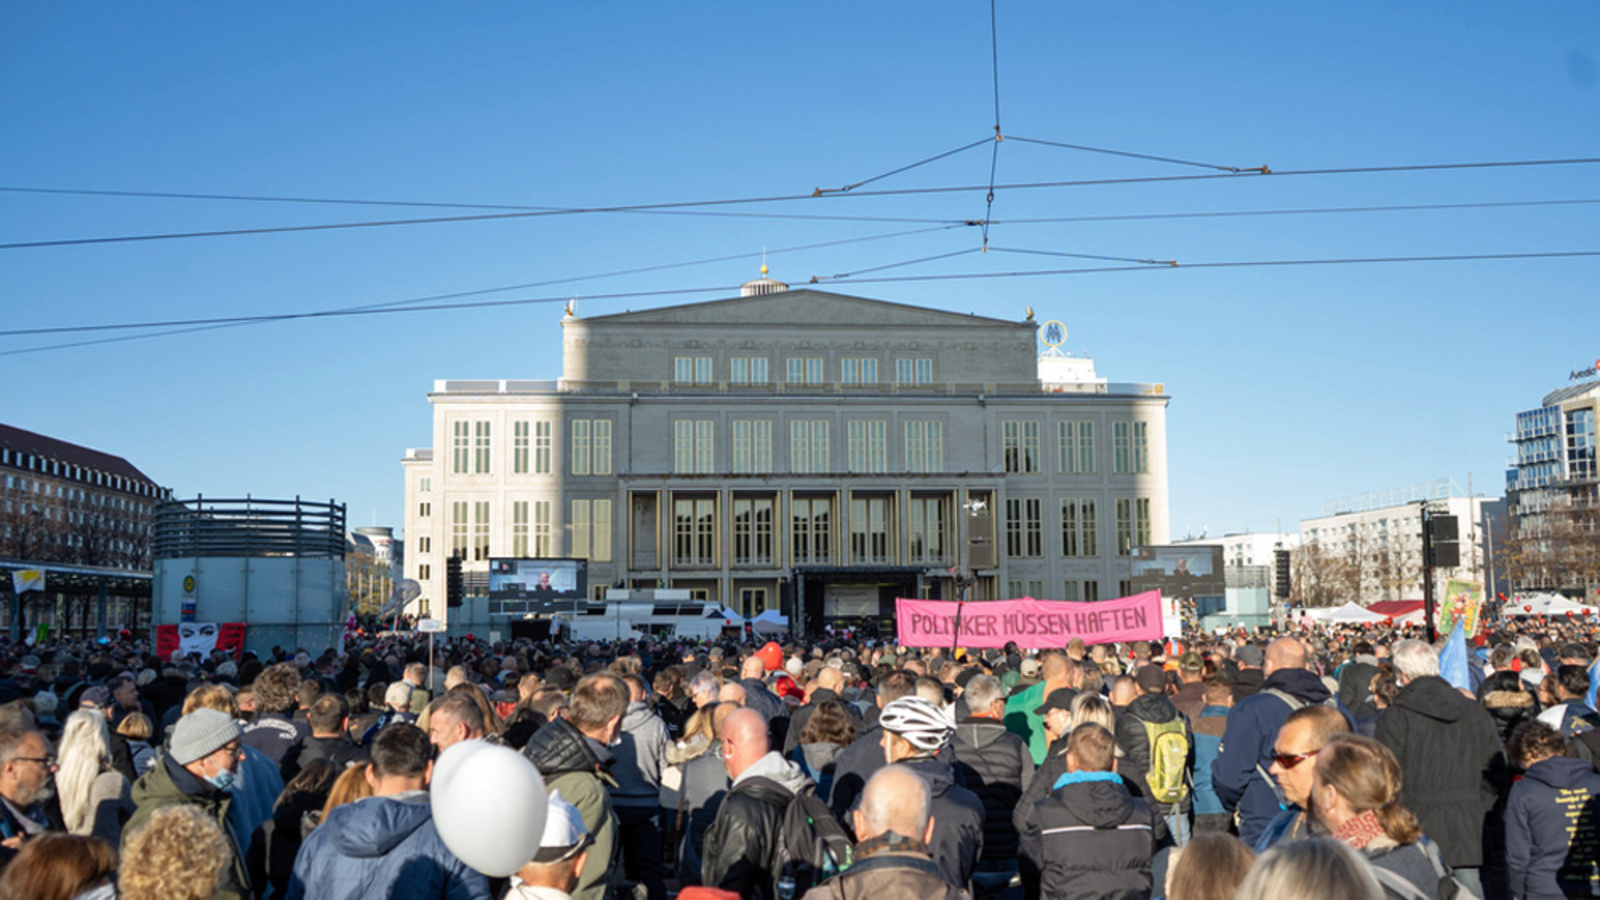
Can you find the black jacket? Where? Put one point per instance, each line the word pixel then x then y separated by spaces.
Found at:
pixel 1135 742
pixel 1509 709
pixel 1055 766
pixel 275 735
pixel 1355 687
pixel 741 847
pixel 339 751
pixel 1450 762
pixel 851 769
pixel 994 764
pixel 799 718
pixel 958 819
pixel 1088 840
pixel 1543 860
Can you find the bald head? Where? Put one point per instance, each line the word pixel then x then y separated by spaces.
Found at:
pixel 1284 653
pixel 733 692
pixel 753 668
pixel 897 800
pixel 830 679
pixel 744 740
pixel 1053 666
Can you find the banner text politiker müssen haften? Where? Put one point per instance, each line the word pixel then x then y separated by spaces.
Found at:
pixel 1031 623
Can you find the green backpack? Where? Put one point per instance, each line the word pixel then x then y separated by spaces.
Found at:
pixel 1169 755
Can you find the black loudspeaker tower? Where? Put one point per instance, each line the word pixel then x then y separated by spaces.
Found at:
pixel 980 542
pixel 452 581
pixel 1443 535
pixel 1280 574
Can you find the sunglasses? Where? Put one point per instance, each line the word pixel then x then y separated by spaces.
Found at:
pixel 1290 760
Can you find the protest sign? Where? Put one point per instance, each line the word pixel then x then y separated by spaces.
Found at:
pixel 1031 623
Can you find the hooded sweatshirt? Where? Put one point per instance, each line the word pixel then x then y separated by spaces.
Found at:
pixel 384 847
pixel 1554 795
pixel 640 750
pixel 740 853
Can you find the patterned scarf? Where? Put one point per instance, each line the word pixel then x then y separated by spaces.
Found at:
pixel 1360 830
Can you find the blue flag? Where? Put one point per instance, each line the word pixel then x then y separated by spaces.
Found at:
pixel 1453 659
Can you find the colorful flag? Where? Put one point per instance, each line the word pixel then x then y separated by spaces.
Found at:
pixel 24 580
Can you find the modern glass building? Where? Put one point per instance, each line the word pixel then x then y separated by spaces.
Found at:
pixel 1551 492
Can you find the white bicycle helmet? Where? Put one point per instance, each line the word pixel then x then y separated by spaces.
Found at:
pixel 926 726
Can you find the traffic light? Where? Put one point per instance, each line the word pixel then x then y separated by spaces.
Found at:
pixel 1443 534
pixel 452 581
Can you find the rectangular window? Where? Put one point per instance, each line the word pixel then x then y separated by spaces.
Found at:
pixel 752 531
pixel 1141 522
pixel 519 529
pixel 1141 447
pixel 752 601
pixel 461 448
pixel 1086 591
pixel 424 572
pixel 1124 526
pixel 601 465
pixel 424 509
pixel 1025 588
pixel 480 448
pixel 1124 587
pixel 927 526
pixel 458 529
pixel 601 549
pixel 691 370
pixel 520 448
pixel 1121 448
pixel 805 369
pixel 1020 447
pixel 1070 592
pixel 424 544
pixel 542 542
pixel 1024 527
pixel 1078 528
pixel 870 530
pixel 868 446
pixel 541 447
pixel 752 447
pixel 581 443
pixel 424 485
pixel 694 531
pixel 693 446
pixel 924 447
pixel 858 370
pixel 581 529
pixel 480 530
pixel 808 447
pixel 591 530
pixel 811 521
pixel 747 370
pixel 1075 448
pixel 913 371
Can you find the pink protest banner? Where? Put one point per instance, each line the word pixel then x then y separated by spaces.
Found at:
pixel 1031 623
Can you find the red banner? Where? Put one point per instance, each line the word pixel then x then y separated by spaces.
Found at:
pixel 1033 624
pixel 199 637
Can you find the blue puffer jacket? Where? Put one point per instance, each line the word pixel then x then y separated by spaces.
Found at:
pixel 382 847
pixel 1247 743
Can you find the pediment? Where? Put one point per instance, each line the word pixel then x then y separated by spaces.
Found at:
pixel 800 307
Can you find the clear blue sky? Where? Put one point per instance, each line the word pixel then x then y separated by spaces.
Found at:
pixel 1291 385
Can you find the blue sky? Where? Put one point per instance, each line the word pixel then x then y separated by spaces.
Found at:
pixel 1291 385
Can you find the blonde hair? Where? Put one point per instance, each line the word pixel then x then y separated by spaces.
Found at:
pixel 85 753
pixel 180 853
pixel 352 785
pixel 1367 776
pixel 211 696
pixel 1316 869
pixel 135 726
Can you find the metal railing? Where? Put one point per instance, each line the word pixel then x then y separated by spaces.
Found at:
pixel 249 527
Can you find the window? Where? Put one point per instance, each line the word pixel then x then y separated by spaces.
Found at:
pixel 424 509
pixel 913 371
pixel 541 446
pixel 868 446
pixel 1024 527
pixel 458 529
pixel 1078 536
pixel 1025 588
pixel 694 531
pixel 811 529
pixel 925 447
pixel 591 530
pixel 691 370
pixel 1130 447
pixel 519 529
pixel 752 531
pixel 869 530
pixel 519 448
pixel 1141 522
pixel 480 448
pixel 808 447
pixel 752 447
pixel 541 529
pixel 1124 587
pixel 805 370
pixel 424 485
pixel 480 530
pixel 1124 526
pixel 461 448
pixel 424 544
pixel 752 601
pixel 1020 446
pixel 747 370
pixel 693 447
pixel 424 572
pixel 1086 591
pixel 927 528
pixel 1075 448
pixel 591 446
pixel 858 370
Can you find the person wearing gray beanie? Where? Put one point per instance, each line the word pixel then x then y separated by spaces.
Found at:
pixel 197 770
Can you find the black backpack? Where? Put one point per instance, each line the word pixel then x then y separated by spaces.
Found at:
pixel 812 846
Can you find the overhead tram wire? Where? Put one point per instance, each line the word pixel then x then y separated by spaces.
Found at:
pixel 994 154
pixel 819 279
pixel 1312 210
pixel 433 298
pixel 1068 255
pixel 200 324
pixel 1257 170
pixel 698 205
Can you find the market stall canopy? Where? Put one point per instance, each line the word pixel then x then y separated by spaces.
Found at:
pixel 1348 614
pixel 1401 612
pixel 770 622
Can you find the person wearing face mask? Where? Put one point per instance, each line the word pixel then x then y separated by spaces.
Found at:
pixel 197 770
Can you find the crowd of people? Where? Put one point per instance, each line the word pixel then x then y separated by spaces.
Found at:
pixel 1337 764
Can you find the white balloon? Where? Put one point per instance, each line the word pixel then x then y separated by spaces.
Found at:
pixel 489 804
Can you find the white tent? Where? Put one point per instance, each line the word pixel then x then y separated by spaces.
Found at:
pixel 770 622
pixel 731 618
pixel 1547 605
pixel 1348 614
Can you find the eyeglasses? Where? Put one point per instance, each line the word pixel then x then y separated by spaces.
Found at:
pixel 48 762
pixel 1290 760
